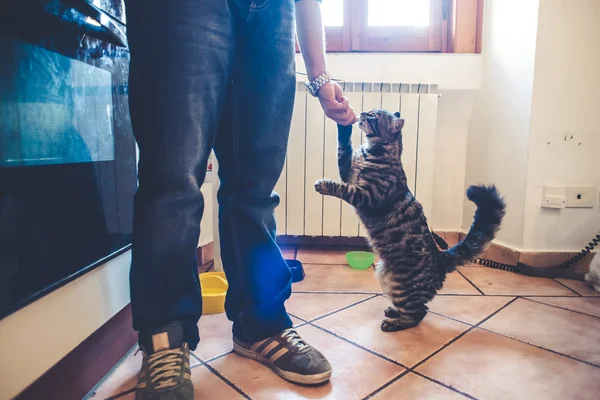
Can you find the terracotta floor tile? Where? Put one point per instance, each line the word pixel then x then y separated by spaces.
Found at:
pixel 337 278
pixel 215 336
pixel 309 306
pixel 456 284
pixel 563 331
pixel 322 256
pixel 208 386
pixel 414 387
pixel 490 366
pixel 469 309
pixel 493 281
pixel 580 287
pixel 362 324
pixel 585 305
pixel 356 373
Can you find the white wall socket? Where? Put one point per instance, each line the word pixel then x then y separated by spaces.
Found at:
pixel 581 196
pixel 554 197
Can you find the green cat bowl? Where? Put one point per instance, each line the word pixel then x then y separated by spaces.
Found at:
pixel 360 259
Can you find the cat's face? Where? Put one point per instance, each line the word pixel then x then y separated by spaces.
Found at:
pixel 380 126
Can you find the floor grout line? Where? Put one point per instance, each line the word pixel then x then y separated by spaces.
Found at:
pixel 388 384
pixel 444 385
pixel 562 308
pixel 463 334
pixel 472 284
pixel 358 345
pixel 451 318
pixel 540 347
pixel 572 290
pixel 342 309
pixel 227 381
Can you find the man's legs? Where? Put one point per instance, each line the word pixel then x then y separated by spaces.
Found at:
pixel 182 52
pixel 251 147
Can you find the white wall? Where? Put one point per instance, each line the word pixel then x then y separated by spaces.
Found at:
pixel 36 337
pixel 497 146
pixel 566 103
pixel 458 77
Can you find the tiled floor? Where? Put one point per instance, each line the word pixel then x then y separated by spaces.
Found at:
pixel 490 335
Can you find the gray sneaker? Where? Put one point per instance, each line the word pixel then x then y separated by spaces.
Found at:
pixel 289 356
pixel 165 373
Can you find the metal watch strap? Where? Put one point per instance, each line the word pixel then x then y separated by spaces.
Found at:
pixel 314 86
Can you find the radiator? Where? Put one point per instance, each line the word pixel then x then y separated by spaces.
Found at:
pixel 312 154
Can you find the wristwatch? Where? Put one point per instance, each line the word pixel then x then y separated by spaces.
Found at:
pixel 314 86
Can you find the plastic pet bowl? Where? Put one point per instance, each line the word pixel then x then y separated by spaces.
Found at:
pixel 360 259
pixel 214 288
pixel 297 270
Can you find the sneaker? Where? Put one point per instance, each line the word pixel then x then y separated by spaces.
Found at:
pixel 289 356
pixel 165 373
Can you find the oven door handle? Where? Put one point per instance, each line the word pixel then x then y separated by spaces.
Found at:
pixel 98 17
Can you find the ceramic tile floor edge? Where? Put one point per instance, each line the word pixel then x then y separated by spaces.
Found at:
pixel 561 308
pixel 224 379
pixel 572 290
pixel 472 284
pixel 538 347
pixel 471 327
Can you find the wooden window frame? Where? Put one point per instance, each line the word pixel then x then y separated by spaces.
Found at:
pixel 455 27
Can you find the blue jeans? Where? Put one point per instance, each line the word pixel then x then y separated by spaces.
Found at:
pixel 204 74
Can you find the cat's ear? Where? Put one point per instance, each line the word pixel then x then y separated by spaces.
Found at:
pixel 397 115
pixel 397 125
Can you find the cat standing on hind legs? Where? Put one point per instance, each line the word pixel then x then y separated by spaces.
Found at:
pixel 412 269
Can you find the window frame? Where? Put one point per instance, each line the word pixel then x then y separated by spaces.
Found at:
pixel 455 27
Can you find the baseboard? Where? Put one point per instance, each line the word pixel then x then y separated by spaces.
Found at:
pixel 322 241
pixel 79 371
pixel 495 251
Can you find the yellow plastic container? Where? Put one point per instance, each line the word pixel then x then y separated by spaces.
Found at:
pixel 214 288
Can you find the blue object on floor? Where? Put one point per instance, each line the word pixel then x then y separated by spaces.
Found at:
pixel 297 270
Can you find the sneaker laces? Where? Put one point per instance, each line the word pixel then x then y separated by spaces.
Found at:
pixel 293 338
pixel 164 368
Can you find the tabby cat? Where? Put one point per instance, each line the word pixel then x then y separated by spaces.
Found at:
pixel 412 269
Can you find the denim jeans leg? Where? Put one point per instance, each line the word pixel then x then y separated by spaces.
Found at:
pixel 251 147
pixel 182 54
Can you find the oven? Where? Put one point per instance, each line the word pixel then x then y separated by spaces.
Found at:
pixel 67 152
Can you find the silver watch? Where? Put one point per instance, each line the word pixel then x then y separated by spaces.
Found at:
pixel 314 86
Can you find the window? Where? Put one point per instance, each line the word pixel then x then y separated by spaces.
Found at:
pixel 403 25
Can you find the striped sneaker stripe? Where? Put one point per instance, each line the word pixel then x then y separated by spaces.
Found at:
pixel 278 354
pixel 256 345
pixel 270 347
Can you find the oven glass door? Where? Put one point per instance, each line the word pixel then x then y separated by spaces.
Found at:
pixel 67 153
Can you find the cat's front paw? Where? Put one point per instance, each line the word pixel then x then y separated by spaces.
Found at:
pixel 322 186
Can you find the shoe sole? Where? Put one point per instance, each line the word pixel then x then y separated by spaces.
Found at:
pixel 288 376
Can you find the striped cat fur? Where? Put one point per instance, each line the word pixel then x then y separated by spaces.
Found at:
pixel 412 269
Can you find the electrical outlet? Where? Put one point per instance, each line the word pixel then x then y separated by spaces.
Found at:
pixel 581 196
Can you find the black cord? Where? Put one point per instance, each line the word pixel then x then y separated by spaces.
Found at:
pixel 516 268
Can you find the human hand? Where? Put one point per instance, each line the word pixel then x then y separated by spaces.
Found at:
pixel 336 106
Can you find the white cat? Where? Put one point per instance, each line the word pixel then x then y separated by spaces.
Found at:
pixel 592 278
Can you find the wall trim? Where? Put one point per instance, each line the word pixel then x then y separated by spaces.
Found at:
pixel 78 372
pixel 496 252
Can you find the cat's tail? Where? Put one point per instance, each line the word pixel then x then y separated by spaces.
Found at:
pixel 489 214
